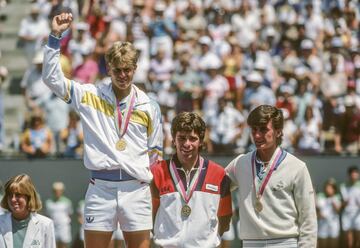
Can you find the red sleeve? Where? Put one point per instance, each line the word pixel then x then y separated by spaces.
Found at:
pixel 225 205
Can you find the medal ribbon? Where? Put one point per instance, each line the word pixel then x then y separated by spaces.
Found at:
pixel 186 195
pixel 264 182
pixel 121 125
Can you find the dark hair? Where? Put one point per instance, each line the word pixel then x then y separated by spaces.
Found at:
pixel 188 121
pixel 332 182
pixel 261 115
pixel 352 169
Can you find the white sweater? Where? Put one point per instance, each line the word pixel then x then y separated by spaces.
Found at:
pixel 288 200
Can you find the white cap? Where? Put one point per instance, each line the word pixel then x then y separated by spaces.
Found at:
pixel 301 71
pixel 205 40
pixel 336 42
pixel 254 77
pixel 38 58
pixel 3 71
pixel 349 101
pixel 286 113
pixel 260 64
pixel 58 186
pixel 287 89
pixel 307 44
pixel 160 6
pixel 270 31
pixel 34 9
pixel 213 64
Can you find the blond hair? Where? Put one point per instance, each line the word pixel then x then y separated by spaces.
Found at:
pixel 122 53
pixel 22 184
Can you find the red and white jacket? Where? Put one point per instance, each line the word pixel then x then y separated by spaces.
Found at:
pixel 211 199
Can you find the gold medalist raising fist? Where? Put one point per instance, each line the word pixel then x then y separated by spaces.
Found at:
pixel 122 137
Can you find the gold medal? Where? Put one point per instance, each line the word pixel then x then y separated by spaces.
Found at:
pixel 258 205
pixel 121 145
pixel 185 211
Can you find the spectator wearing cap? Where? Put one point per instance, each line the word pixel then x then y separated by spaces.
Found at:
pixel 206 53
pixel 266 71
pixel 215 86
pixel 81 43
pixel 256 93
pixel 268 35
pixel 162 31
pixel 33 31
pixel 336 47
pixel 59 208
pixel 310 59
pixel 32 86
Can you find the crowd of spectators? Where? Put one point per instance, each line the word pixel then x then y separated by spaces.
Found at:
pixel 220 58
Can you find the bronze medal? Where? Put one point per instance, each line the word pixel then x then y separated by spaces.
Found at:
pixel 258 205
pixel 185 211
pixel 121 145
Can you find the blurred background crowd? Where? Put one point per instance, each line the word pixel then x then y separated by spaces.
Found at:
pixel 220 58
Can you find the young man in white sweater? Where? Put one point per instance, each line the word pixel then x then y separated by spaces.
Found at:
pixel 276 196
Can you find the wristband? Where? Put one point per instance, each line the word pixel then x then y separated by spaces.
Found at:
pixel 56 36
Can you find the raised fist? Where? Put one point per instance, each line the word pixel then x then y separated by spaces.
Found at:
pixel 60 23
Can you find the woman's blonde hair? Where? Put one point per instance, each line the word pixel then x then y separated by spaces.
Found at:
pixel 122 53
pixel 22 184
